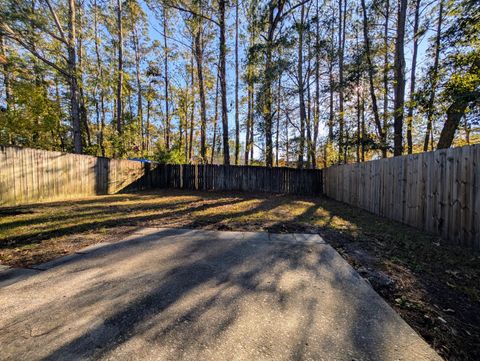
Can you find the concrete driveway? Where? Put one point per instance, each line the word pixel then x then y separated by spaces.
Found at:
pixel 166 294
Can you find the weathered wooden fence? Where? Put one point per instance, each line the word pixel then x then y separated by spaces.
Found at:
pixel 29 175
pixel 237 178
pixel 436 191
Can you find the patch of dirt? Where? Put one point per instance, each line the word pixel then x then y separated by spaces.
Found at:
pixel 444 316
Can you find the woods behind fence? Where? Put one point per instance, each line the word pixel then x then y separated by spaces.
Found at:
pixel 436 191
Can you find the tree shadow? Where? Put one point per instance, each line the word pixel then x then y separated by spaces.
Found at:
pixel 192 295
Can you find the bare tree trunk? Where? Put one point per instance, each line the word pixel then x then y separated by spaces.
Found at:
pixel 413 77
pixel 376 117
pixel 399 85
pixel 147 127
pixel 59 105
pixel 341 46
pixel 167 85
pixel 386 69
pixel 434 79
pixel 249 112
pixel 363 127
pixel 316 117
pixel 277 145
pixel 287 143
pixel 120 68
pixel 83 107
pixel 215 122
pixel 455 112
pixel 99 77
pixel 201 90
pixel 331 110
pixel 136 46
pixel 301 90
pixel 192 114
pixel 237 120
pixel 72 67
pixel 223 82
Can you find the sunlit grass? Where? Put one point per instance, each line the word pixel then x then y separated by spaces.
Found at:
pixel 30 234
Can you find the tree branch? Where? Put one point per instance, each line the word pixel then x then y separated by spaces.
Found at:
pixel 57 22
pixel 11 34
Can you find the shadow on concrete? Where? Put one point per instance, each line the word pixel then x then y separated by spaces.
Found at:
pixel 196 295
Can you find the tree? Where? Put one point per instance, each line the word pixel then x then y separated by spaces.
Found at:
pixel 399 77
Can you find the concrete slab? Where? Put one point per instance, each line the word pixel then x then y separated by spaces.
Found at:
pixel 308 238
pixel 207 298
pixel 93 248
pixel 256 236
pixel 282 237
pixel 56 262
pixel 13 275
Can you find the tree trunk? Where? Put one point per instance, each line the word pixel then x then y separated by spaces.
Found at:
pixel 237 120
pixel 82 105
pixel 434 79
pixel 413 77
pixel 386 69
pixel 192 114
pixel 167 85
pixel 301 90
pixel 98 80
pixel 399 86
pixel 316 117
pixel 455 112
pixel 215 122
pixel 6 73
pixel 341 46
pixel 223 82
pixel 136 47
pixel 249 111
pixel 72 70
pixel 120 70
pixel 147 127
pixel 201 90
pixel 371 84
pixel 277 143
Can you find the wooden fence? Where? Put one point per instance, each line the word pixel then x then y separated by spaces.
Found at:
pixel 436 191
pixel 237 178
pixel 29 175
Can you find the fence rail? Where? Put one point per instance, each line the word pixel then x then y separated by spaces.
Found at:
pixel 436 191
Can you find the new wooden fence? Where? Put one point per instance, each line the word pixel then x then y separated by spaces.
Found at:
pixel 436 191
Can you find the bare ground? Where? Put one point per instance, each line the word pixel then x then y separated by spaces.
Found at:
pixel 435 287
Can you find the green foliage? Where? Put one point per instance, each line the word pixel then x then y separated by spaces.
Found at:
pixel 35 120
pixel 172 156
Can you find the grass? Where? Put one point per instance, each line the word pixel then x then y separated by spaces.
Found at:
pixel 435 287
